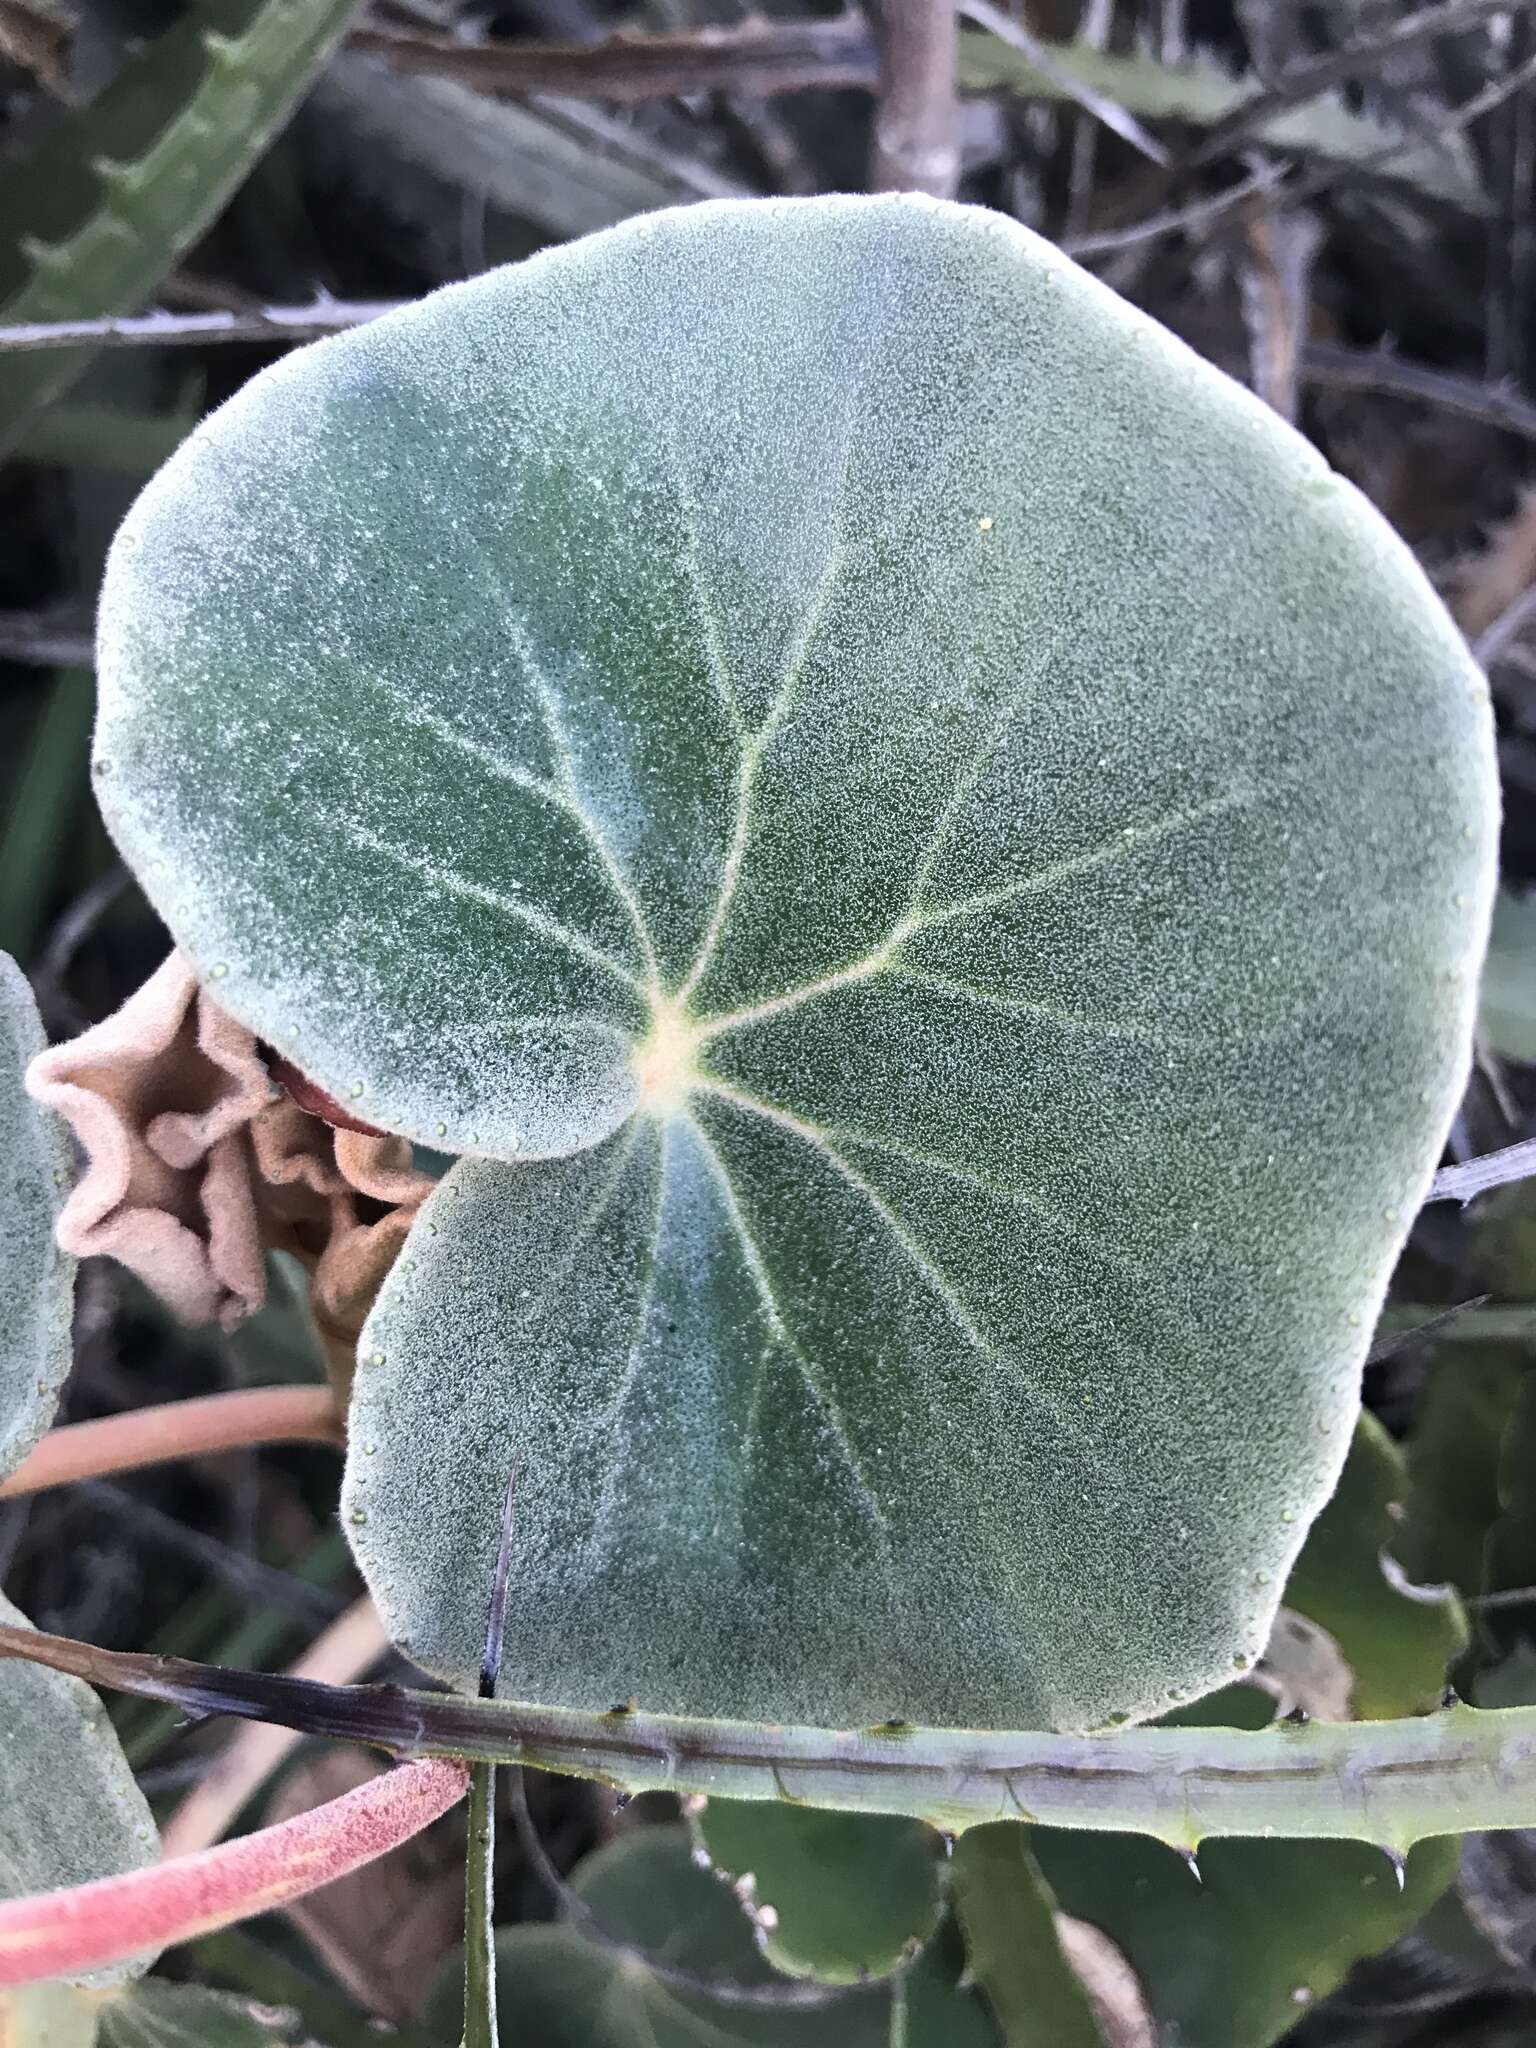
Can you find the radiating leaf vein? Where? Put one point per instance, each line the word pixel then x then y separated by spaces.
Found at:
pixel 452 884
pixel 757 1267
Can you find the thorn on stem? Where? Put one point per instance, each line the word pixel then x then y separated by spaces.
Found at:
pixel 1190 1861
pixel 1399 1864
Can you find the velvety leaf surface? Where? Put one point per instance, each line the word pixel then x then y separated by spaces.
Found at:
pixel 559 1989
pixel 36 1279
pixel 939 855
pixel 850 1894
pixel 69 1807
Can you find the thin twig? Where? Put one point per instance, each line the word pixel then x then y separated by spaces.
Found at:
pixel 1363 369
pixel 1494 1170
pixel 480 2023
pixel 1198 215
pixel 35 641
pixel 187 330
pixel 757 58
pixel 1495 641
pixel 239 1420
pixel 1089 98
pixel 1433 1326
pixel 916 139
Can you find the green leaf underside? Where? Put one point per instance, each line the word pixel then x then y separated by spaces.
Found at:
pixel 939 856
pixel 850 1895
pixel 557 1987
pixel 36 1278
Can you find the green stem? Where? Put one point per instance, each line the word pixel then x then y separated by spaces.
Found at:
pixel 479 1940
pixel 1011 1944
pixel 1393 1783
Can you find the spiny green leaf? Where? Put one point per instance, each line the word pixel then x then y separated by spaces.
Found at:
pixel 1397 1644
pixel 148 2014
pixel 1234 1959
pixel 1464 1412
pixel 937 856
pixel 99 211
pixel 849 1895
pixel 562 1990
pixel 156 2015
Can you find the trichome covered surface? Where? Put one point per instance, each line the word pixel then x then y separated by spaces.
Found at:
pixel 934 858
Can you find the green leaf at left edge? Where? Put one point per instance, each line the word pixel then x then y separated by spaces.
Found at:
pixel 560 1989
pixel 69 1807
pixel 1231 1961
pixel 37 1280
pixel 849 1895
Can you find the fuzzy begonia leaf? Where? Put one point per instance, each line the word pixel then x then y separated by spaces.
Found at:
pixel 69 1807
pixel 936 857
pixel 37 1280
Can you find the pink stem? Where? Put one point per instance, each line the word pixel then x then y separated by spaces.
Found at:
pixel 239 1420
pixel 66 1933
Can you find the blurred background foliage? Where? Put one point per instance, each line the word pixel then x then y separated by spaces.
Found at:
pixel 1333 200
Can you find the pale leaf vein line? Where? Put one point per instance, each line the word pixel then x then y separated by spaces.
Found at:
pixel 566 800
pixel 755 745
pixel 916 1256
pixel 710 624
pixel 1109 854
pixel 938 1283
pixel 452 884
pixel 565 760
pixel 631 1370
pixel 757 1266
pixel 1071 1020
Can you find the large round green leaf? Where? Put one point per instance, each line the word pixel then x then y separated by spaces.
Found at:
pixel 940 858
